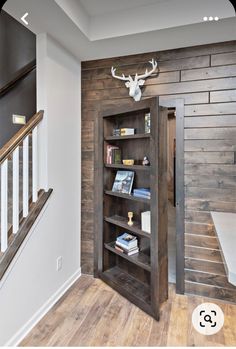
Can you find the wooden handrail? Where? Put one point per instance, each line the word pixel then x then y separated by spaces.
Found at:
pixel 21 74
pixel 15 141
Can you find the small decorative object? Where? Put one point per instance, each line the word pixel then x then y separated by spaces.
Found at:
pixel 123 182
pixel 134 84
pixel 130 216
pixel 146 221
pixel 128 162
pixel 146 162
pixel 147 123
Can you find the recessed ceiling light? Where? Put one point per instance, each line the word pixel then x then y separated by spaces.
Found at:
pixel 210 18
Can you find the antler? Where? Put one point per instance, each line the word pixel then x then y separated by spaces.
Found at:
pixel 123 77
pixel 148 73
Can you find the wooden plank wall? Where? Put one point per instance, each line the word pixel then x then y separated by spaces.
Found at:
pixel 205 77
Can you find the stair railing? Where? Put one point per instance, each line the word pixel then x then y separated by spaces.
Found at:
pixel 11 150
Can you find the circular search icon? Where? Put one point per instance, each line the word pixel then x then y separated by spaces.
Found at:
pixel 208 318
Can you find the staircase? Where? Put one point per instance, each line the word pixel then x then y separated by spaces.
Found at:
pixel 21 199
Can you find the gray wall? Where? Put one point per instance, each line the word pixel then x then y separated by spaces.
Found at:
pixel 17 50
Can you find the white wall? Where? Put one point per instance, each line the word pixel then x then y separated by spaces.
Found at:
pixel 33 283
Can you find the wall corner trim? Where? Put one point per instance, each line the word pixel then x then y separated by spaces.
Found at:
pixel 24 330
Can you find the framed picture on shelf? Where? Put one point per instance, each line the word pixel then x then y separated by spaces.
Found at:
pixel 123 182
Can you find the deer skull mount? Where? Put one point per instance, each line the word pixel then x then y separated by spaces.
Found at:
pixel 134 84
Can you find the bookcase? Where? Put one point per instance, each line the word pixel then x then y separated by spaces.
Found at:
pixel 143 277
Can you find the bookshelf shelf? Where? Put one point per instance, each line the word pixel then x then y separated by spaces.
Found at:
pixel 129 167
pixel 122 222
pixel 140 259
pixel 135 136
pixel 127 196
pixel 129 287
pixel 143 277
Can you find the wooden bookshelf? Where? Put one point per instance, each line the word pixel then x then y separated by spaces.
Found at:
pixel 143 277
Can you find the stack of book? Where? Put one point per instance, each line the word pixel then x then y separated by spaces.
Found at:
pixel 142 193
pixel 113 155
pixel 127 243
pixel 116 132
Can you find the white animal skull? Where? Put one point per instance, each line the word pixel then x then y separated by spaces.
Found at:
pixel 134 84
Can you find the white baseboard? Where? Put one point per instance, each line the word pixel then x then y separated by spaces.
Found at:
pixel 22 333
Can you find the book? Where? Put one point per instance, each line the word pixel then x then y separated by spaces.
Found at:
pixel 147 123
pixel 127 247
pixel 142 196
pixel 113 154
pixel 130 253
pixel 123 182
pixel 126 238
pixel 116 156
pixel 127 241
pixel 142 192
pixel 127 131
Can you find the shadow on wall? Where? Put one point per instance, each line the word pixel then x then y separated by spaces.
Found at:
pixel 17 50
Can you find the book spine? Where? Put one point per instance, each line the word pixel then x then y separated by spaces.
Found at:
pixel 127 248
pixel 136 191
pixel 142 196
pixel 108 150
pixel 120 249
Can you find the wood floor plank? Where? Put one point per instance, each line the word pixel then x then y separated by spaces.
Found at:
pixel 86 329
pixel 177 334
pixel 92 314
pixel 54 319
pixel 138 333
pixel 159 331
pixel 75 318
pixel 194 338
pixel 117 314
pixel 230 324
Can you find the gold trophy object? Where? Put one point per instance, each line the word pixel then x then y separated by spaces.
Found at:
pixel 130 216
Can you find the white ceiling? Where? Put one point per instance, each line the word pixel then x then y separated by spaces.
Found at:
pixel 160 25
pixel 99 7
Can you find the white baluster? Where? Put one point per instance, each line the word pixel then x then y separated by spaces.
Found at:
pixel 4 206
pixel 35 164
pixel 26 177
pixel 15 212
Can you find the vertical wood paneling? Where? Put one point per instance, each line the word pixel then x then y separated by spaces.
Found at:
pixel 210 145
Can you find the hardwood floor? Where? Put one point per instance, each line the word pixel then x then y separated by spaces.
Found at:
pixel 92 314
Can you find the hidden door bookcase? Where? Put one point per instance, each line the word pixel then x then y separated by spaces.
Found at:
pixel 143 277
